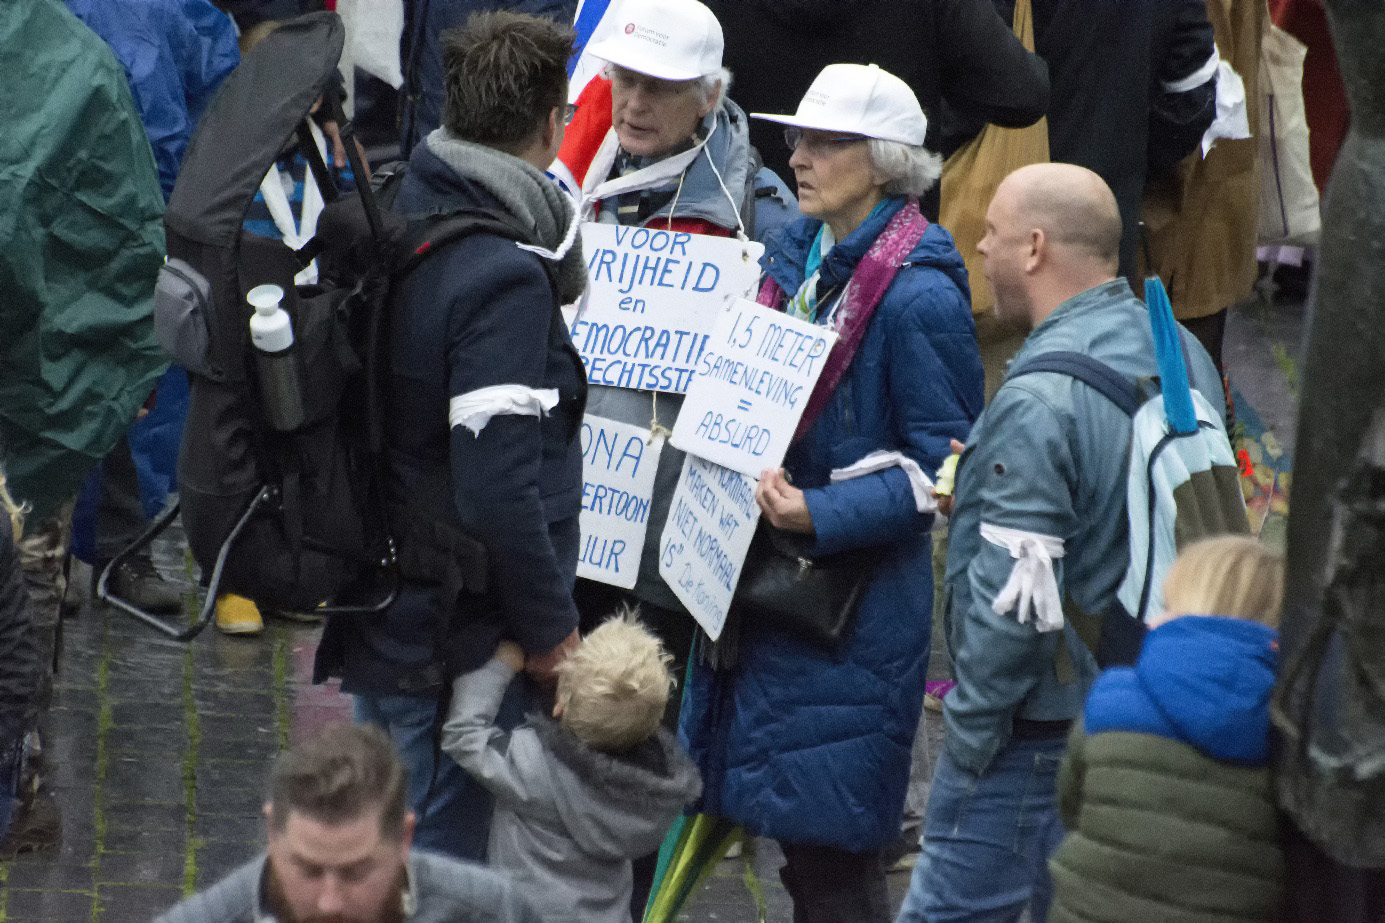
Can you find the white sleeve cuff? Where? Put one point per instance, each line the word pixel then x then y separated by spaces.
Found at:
pixel 1032 589
pixel 476 408
pixel 919 482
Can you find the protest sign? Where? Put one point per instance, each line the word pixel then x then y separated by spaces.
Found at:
pixel 653 298
pixel 752 385
pixel 710 524
pixel 618 466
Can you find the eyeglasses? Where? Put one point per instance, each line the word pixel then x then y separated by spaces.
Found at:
pixel 816 143
pixel 627 81
pixel 569 113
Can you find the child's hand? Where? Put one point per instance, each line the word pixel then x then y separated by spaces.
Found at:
pixel 510 654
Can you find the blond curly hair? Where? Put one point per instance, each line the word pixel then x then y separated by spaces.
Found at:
pixel 614 688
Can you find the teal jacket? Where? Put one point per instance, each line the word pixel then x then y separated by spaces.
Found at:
pixel 1048 456
pixel 81 223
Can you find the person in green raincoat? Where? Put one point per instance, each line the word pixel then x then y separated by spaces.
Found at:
pixel 81 242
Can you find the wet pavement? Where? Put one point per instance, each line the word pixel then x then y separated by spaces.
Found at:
pixel 159 751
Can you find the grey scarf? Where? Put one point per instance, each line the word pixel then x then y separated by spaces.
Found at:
pixel 527 194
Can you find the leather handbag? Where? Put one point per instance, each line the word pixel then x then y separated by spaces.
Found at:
pixel 812 598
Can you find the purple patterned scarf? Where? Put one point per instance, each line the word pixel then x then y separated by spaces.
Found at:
pixel 868 285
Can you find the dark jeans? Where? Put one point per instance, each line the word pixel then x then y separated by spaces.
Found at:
pixel 987 839
pixel 119 512
pixel 453 810
pixel 830 885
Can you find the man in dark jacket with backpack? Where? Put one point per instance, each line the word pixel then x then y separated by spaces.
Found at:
pixel 1038 546
pixel 484 401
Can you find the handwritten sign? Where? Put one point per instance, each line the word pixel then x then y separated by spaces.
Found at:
pixel 654 296
pixel 618 466
pixel 752 384
pixel 710 524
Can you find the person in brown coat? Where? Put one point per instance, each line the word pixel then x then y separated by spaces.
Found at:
pixel 1203 216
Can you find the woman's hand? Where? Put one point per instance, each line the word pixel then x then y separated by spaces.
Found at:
pixel 946 477
pixel 782 503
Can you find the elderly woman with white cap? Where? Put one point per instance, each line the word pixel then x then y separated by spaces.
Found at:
pixel 799 741
pixel 656 143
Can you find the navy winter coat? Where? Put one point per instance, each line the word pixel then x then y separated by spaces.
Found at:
pixel 478 313
pixel 793 742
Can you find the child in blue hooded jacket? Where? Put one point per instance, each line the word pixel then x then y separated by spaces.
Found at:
pixel 1165 789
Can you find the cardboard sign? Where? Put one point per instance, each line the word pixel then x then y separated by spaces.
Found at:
pixel 701 553
pixel 752 385
pixel 653 298
pixel 618 466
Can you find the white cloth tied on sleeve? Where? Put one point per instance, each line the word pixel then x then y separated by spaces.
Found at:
pixel 881 459
pixel 476 408
pixel 1032 589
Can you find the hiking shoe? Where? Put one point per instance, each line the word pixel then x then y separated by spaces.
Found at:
pixel 937 690
pixel 237 615
pixel 140 584
pixel 37 825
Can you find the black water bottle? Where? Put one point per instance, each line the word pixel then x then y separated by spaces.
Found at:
pixel 271 332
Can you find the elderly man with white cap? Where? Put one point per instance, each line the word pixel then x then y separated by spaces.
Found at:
pixel 798 740
pixel 656 143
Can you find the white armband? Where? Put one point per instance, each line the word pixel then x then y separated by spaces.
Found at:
pixel 1032 589
pixel 475 408
pixel 1232 121
pixel 1197 78
pixel 920 483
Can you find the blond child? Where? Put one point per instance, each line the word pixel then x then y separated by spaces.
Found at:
pixel 580 794
pixel 1165 790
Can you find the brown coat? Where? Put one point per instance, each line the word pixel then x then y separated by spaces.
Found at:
pixel 1204 216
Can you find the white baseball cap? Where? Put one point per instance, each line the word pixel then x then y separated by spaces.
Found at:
pixel 859 99
pixel 667 39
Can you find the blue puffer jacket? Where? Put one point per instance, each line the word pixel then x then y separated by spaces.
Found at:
pixel 795 743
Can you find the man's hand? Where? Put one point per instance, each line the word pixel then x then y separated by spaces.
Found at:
pixel 783 504
pixel 543 667
pixel 510 654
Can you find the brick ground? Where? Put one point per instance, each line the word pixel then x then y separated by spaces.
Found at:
pixel 159 750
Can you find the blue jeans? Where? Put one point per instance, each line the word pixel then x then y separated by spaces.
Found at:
pixel 987 839
pixel 453 811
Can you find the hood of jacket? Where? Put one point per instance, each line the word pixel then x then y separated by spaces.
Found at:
pixel 617 806
pixel 1209 678
pixel 786 252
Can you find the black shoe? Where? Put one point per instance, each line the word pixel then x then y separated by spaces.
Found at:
pixel 38 824
pixel 139 583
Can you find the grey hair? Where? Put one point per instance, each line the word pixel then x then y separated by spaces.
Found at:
pixel 908 169
pixel 715 83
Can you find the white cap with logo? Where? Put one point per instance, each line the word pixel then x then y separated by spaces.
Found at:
pixel 666 39
pixel 859 99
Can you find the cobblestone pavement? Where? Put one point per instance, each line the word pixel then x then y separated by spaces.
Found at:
pixel 159 751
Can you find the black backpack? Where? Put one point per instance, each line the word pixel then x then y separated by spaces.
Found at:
pixel 295 520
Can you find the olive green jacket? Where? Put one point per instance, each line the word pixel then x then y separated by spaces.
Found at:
pixel 1160 833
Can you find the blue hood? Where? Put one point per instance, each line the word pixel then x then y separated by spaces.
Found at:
pixel 786 251
pixel 1202 680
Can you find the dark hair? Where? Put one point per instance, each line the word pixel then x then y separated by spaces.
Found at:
pixel 336 776
pixel 505 72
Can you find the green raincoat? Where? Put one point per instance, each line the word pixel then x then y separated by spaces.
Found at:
pixel 81 242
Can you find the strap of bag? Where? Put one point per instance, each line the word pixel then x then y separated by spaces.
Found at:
pixel 1111 384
